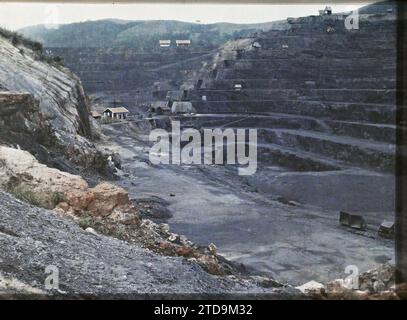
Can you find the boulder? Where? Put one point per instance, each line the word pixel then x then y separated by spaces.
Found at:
pixel 336 286
pixel 107 197
pixel 23 176
pixel 312 287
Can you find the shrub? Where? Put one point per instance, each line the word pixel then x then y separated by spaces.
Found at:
pixel 85 222
pixel 56 198
pixel 36 46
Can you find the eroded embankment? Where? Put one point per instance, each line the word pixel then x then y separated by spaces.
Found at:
pixel 103 210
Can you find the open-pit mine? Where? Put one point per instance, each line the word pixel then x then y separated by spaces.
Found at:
pixel 320 95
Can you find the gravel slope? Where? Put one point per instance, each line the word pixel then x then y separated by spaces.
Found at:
pixel 32 239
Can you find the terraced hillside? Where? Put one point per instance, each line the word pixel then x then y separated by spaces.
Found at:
pixel 316 91
pixel 130 76
pixel 123 61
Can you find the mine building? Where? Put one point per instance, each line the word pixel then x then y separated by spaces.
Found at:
pixel 160 108
pixel 116 113
pixel 237 87
pixel 183 43
pixel 175 95
pixel 326 12
pixel 179 102
pixel 182 107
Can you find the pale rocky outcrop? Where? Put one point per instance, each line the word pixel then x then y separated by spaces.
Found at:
pixel 12 286
pixel 24 176
pixel 59 92
pixel 312 288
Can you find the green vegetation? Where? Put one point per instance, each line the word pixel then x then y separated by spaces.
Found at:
pixel 18 39
pixel 57 198
pixel 100 226
pixel 26 195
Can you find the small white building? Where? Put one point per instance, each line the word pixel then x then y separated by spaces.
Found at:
pixel 183 43
pixel 116 113
pixel 165 43
pixel 237 87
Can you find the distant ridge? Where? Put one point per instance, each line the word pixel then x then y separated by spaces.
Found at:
pixel 142 34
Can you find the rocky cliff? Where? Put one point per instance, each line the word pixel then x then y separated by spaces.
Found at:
pixel 43 108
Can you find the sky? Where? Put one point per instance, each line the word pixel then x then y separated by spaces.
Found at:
pixel 18 15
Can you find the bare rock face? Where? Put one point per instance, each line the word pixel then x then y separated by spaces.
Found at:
pixel 44 109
